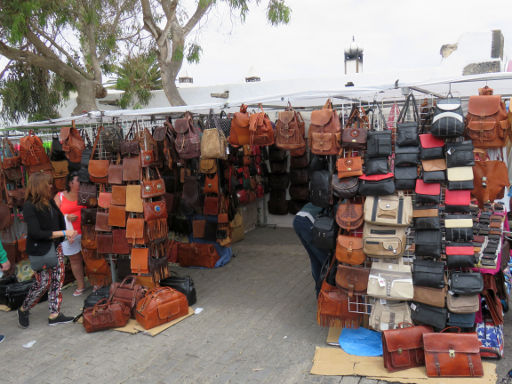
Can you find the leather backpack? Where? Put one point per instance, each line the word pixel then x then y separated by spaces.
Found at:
pixel 290 130
pixel 239 133
pixel 324 131
pixel 32 151
pixel 72 143
pixel 260 129
pixel 187 141
pixel 486 122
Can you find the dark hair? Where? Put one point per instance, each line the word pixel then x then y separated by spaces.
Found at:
pixel 69 179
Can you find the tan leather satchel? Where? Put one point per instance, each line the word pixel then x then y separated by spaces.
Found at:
pixel 349 249
pixel 325 131
pixel 349 216
pixel 435 297
pixel 213 144
pixel 72 143
pixel 290 130
pixel 134 199
pixel 349 166
pixel 115 172
pixel 117 216
pixel 98 169
pixel 118 195
pixel 208 166
pixel 239 132
pixel 395 210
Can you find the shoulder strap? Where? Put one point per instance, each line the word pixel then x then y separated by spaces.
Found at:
pixel 403 113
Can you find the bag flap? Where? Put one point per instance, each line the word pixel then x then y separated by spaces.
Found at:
pixel 428 266
pixel 460 250
pixel 350 242
pixel 446 342
pixel 482 125
pixel 430 141
pixel 460 173
pixel 406 173
pixel 349 164
pixel 405 338
pixel 376 177
pixel 98 168
pixel 460 197
pixel 393 243
pixel 450 104
pixel 484 105
pixel 286 117
pixel 346 183
pixel 355 278
pixel 407 149
pixel 458 223
pixel 433 189
pixel 433 165
pixel 241 119
pixel 323 141
pixel 181 125
pixel 321 117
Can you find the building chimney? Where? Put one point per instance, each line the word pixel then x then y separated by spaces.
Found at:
pixel 353 58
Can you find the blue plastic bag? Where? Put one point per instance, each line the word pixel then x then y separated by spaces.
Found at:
pixel 361 342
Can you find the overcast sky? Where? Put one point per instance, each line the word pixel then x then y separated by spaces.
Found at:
pixel 394 34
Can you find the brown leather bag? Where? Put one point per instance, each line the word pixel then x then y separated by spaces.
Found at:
pixel 32 151
pixel 131 169
pixel 159 306
pixel 353 280
pixel 118 195
pixel 98 169
pixel 115 172
pixel 325 131
pixel 349 249
pixel 349 166
pixel 134 230
pixel 105 315
pixel 120 244
pixel 117 216
pixel 290 130
pixel 435 297
pixel 211 184
pixel 102 222
pixel 349 216
pixel 197 255
pixel 97 269
pixel 486 122
pixel 187 141
pixel 139 259
pixel 452 355
pixel 490 180
pixel 134 199
pixel 130 145
pixel 104 199
pixel 402 348
pixel 104 243
pixel 12 161
pixel 72 143
pixel 239 132
pixel 127 292
pixel 260 129
pixel 208 166
pixel 152 187
pixel 155 210
pixel 87 194
pixel 89 240
pixel 333 311
pixel 356 130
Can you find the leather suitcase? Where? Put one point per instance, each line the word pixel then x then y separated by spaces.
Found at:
pixel 159 306
pixel 105 315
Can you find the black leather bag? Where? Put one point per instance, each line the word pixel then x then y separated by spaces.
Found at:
pixel 299 176
pixel 376 186
pixel 376 166
pixel 428 243
pixel 320 188
pixel 299 161
pixel 406 156
pixel 462 320
pixel 299 192
pixel 279 180
pixel 183 284
pixel 324 233
pixel 466 283
pixel 448 119
pixel 428 273
pixel 405 177
pixel 460 185
pixel 427 223
pixel 460 255
pixel 462 232
pixel 460 154
pixel 429 315
pixel 345 188
pixel 407 132
pixel 434 176
pixel 378 144
pixel 94 297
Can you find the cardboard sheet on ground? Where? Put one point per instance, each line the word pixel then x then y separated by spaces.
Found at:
pixel 134 327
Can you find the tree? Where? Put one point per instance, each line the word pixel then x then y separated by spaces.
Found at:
pixel 170 37
pixel 45 34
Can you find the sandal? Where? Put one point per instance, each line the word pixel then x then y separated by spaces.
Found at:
pixel 78 292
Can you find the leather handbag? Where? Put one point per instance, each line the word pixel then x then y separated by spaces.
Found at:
pixel 457 201
pixel 197 255
pixel 213 144
pixel 159 306
pixel 239 133
pixel 427 223
pixel 102 222
pixel 135 230
pixel 134 199
pixel 349 249
pixel 428 273
pixel 152 187
pixel 406 156
pixel 427 193
pixel 120 244
pixel 460 154
pixel 211 205
pixel 104 243
pixel 324 233
pixel 407 132
pixel 460 178
pixel 435 297
pixel 426 314
pixel 324 131
pixel 320 188
pixel 383 241
pixel 139 260
pixel 299 192
pixel 105 315
pixel 349 216
pixel 333 308
pixel 466 283
pixel 130 146
pixel 395 210
pixel 349 166
pixel 187 140
pixel 490 180
pixel 299 176
pixel 299 161
pixel 458 228
pixel 355 132
pixel 390 281
pixel 98 169
pixel 118 195
pixel 431 147
pixel 376 166
pixel 88 216
pixel 427 242
pixel 405 177
pixel 376 185
pixel 104 199
pixel 460 255
pixel 87 194
pixel 72 143
pixel 127 292
pixel 117 216
pixel 290 130
pixel 344 188
pixel 183 284
pixel 211 184
pixel 89 240
pixel 486 121
pixel 278 181
pixel 452 355
pixel 115 173
pixel 379 142
pixel 155 210
pixel 448 119
pixel 389 315
pixel 208 166
pixel 402 348
pixel 260 129
pixel 131 168
pixel 463 303
pixel 353 280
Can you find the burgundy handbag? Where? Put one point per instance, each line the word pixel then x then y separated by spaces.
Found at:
pixel 104 243
pixel 120 244
pixel 152 188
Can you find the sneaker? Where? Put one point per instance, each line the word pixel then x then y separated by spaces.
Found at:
pixel 23 319
pixel 60 319
pixel 2 338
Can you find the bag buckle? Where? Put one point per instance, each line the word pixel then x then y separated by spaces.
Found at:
pixel 451 353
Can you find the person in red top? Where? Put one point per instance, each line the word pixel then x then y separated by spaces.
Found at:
pixel 67 201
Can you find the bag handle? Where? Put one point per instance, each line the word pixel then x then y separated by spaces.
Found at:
pixel 403 113
pixel 96 142
pixel 454 327
pixel 328 104
pixel 380 118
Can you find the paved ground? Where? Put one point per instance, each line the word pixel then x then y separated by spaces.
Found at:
pixel 258 326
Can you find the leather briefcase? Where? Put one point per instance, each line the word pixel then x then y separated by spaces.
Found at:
pixel 452 355
pixel 105 315
pixel 127 292
pixel 349 249
pixel 402 348
pixel 159 306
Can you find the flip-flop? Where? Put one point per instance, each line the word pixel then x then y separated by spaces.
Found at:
pixel 78 292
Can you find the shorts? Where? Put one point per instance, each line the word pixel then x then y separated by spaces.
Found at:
pixel 70 249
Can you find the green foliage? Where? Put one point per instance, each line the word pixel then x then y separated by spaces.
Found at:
pixel 31 93
pixel 194 53
pixel 138 76
pixel 278 12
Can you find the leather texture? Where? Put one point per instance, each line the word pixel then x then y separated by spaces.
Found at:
pixel 349 250
pixel 105 315
pixel 159 306
pixel 324 131
pixel 349 216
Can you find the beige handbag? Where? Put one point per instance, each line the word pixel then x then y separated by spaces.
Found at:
pixel 390 281
pixel 435 297
pixel 133 199
pixel 237 228
pixel 213 144
pixel 433 165
pixel 381 241
pixel 395 210
pixel 388 315
pixel 463 303
pixel 460 173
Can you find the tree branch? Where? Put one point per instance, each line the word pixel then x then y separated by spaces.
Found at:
pixel 90 33
pixel 169 8
pixel 149 21
pixel 198 14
